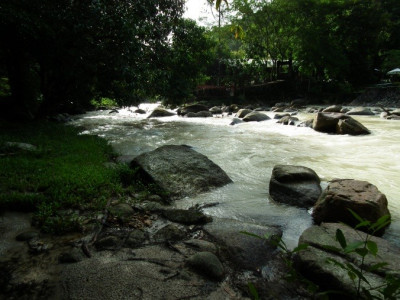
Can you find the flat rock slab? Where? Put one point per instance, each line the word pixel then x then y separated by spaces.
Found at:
pixel 246 251
pixel 180 171
pixel 147 274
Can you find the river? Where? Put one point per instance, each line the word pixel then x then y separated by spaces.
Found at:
pixel 249 151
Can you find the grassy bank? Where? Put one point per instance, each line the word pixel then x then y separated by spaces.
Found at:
pixel 65 174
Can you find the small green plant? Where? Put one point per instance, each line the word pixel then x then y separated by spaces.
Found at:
pixel 287 256
pixel 390 289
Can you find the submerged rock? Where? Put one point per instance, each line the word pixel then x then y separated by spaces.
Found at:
pixel 180 171
pixel 160 112
pixel 360 196
pixel 294 185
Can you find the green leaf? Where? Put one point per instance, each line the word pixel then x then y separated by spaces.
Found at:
pixel 372 247
pixel 336 263
pixel 355 215
pixel 351 275
pixel 361 251
pixel 359 273
pixel 380 221
pixel 340 238
pixel 252 234
pixel 300 248
pixel 353 246
pixel 332 248
pixel 377 266
pixel 365 223
pixel 253 291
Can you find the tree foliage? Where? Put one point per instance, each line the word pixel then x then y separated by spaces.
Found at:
pixel 62 53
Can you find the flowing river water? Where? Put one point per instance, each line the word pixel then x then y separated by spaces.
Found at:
pixel 248 152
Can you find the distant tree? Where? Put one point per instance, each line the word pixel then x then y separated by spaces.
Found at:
pixel 191 53
pixel 59 54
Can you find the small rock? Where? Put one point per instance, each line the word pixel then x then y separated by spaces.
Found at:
pixel 122 211
pixel 236 121
pixel 136 238
pixel 208 264
pixel 360 111
pixel 187 217
pixel 107 243
pixel 37 246
pixel 202 245
pixel 243 112
pixel 27 235
pixel 21 146
pixel 333 108
pixel 170 232
pixel 160 112
pixel 74 256
pixel 255 117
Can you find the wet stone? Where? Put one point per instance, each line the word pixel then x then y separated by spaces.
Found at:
pixel 136 238
pixel 170 232
pixel 208 264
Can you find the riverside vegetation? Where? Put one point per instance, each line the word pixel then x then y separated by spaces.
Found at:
pixel 363 288
pixel 63 173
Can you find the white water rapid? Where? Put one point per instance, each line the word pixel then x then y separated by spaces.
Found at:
pixel 249 151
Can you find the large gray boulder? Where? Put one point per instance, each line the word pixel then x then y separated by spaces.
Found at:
pixel 244 250
pixel 312 262
pixel 180 171
pixel 360 111
pixel 160 112
pixel 255 117
pixel 360 196
pixel 294 185
pixel 338 123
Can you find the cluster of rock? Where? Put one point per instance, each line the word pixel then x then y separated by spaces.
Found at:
pixel 299 186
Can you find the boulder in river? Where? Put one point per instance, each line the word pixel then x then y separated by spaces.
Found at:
pixel 180 171
pixel 338 123
pixel 160 112
pixel 312 262
pixel 342 194
pixel 191 108
pixel 255 117
pixel 360 111
pixel 332 108
pixel 294 185
pixel 243 112
pixel 215 110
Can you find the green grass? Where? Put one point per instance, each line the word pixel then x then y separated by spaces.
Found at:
pixel 104 102
pixel 67 171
